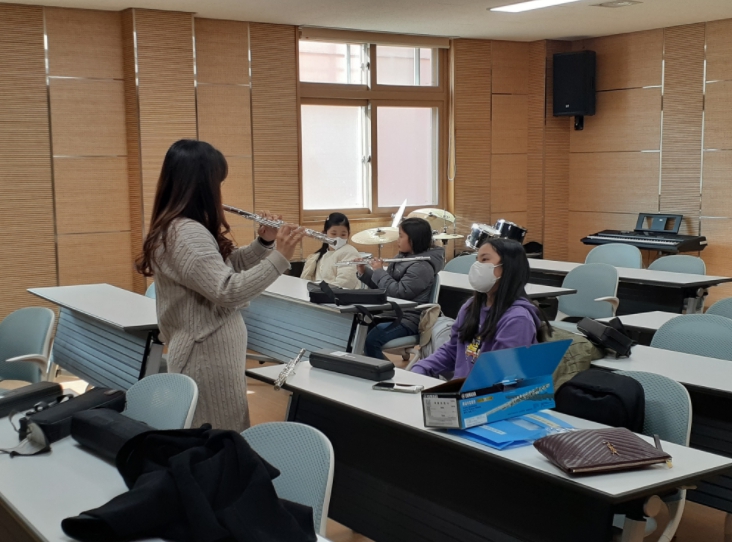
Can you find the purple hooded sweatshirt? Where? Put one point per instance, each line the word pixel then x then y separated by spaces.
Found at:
pixel 517 327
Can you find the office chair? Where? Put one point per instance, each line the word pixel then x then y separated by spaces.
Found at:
pixel 596 297
pixel 25 344
pixel 150 292
pixel 701 334
pixel 461 264
pixel 163 401
pixel 617 254
pixel 680 263
pixel 723 307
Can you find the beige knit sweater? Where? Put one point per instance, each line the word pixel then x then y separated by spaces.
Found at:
pixel 198 298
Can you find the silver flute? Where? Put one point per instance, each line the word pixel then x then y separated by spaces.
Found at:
pixel 385 260
pixel 278 224
pixel 288 370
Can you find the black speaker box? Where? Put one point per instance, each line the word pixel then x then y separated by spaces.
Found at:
pixel 574 84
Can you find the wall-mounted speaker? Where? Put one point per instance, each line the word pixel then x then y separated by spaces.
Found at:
pixel 574 84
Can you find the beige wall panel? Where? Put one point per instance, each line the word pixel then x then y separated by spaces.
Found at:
pixel 584 224
pixel 510 67
pixel 718 115
pixel 510 124
pixel 26 192
pixel 472 131
pixel 238 189
pixel 628 60
pixel 222 51
pixel 224 118
pixel 275 124
pixel 508 182
pixel 92 194
pixel 536 141
pixel 91 258
pixel 626 120
pixel 614 182
pixel 88 117
pixel 717 184
pixel 84 43
pixel 719 50
pixel 718 254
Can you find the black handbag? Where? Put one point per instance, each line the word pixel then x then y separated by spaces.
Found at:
pixel 611 336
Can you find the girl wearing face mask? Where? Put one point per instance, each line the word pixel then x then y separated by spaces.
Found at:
pixel 498 316
pixel 321 265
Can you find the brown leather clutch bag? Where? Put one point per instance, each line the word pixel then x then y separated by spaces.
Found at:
pixel 600 450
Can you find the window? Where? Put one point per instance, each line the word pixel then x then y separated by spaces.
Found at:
pixel 365 105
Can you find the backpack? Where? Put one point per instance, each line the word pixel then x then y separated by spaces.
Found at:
pixel 439 335
pixel 603 397
pixel 578 357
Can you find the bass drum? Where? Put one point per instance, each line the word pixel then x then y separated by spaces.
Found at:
pixel 480 232
pixel 510 230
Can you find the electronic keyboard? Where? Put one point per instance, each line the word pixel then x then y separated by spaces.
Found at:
pixel 661 241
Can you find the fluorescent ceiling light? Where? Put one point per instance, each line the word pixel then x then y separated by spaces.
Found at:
pixel 533 4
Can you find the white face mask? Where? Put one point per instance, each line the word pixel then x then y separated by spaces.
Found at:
pixel 481 276
pixel 340 243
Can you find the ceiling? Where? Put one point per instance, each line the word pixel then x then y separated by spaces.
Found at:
pixel 454 18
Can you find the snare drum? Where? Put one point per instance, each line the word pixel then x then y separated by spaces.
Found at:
pixel 479 233
pixel 510 230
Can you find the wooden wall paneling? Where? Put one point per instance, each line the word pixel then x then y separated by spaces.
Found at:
pixel 510 124
pixel 224 118
pixel 510 60
pixel 95 257
pixel 716 187
pixel 222 51
pixel 719 50
pixel 92 194
pixel 556 168
pixel 275 119
pixel 472 132
pixel 683 109
pixel 631 60
pixel 27 241
pixel 614 182
pixel 237 189
pixel 88 117
pixel 84 43
pixel 508 183
pixel 626 120
pixel 536 103
pixel 582 224
pixel 718 116
pixel 718 254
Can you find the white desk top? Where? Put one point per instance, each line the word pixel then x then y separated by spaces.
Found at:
pixel 700 371
pixel 459 281
pixel 295 289
pixel 406 409
pixel 119 308
pixel 45 489
pixel 650 321
pixel 639 276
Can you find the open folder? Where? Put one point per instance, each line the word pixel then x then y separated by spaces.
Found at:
pixel 515 432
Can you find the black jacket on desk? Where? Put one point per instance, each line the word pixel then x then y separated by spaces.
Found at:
pixel 408 280
pixel 194 485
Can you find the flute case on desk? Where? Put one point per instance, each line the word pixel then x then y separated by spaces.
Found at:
pixel 20 399
pixel 352 365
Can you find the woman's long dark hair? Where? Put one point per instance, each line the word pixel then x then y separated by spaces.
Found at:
pixel 334 219
pixel 511 286
pixel 419 232
pixel 189 187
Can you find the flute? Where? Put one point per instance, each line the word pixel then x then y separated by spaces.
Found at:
pixel 288 370
pixel 385 260
pixel 278 224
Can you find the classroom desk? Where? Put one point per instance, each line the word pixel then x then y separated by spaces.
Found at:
pixel 640 290
pixel 282 320
pixel 105 335
pixel 455 290
pixel 37 492
pixel 643 326
pixel 395 480
pixel 709 382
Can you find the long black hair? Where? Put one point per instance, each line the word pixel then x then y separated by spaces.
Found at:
pixel 334 219
pixel 511 287
pixel 419 232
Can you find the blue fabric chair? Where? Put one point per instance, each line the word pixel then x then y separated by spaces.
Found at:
pixel 461 264
pixel 680 263
pixel 617 254
pixel 596 297
pixel 701 334
pixel 668 415
pixel 723 307
pixel 163 401
pixel 25 344
pixel 150 292
pixel 304 457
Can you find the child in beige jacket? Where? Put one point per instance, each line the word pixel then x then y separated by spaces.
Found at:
pixel 321 265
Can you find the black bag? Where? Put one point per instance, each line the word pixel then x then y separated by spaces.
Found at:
pixel 603 397
pixel 325 293
pixel 26 397
pixel 55 422
pixel 105 430
pixel 610 336
pixel 352 364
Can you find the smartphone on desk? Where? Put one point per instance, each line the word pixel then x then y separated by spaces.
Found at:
pixel 394 386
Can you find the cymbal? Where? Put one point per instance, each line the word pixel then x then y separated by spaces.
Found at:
pixel 376 236
pixel 428 213
pixel 441 236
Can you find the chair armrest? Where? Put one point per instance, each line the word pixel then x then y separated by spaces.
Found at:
pixel 614 301
pixel 38 359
